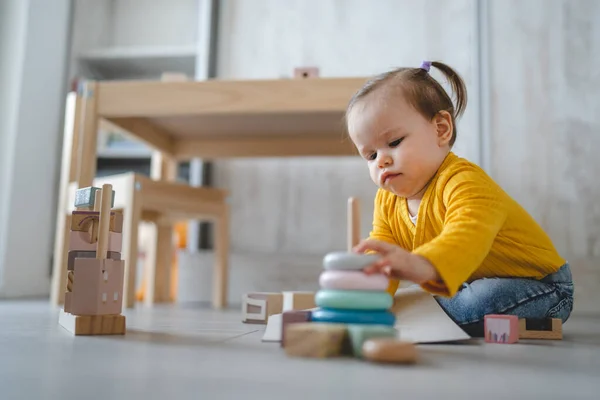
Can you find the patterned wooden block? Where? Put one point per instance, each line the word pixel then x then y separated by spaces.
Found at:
pixel 93 324
pixel 113 255
pixel 258 307
pixel 82 241
pixel 97 287
pixel 85 197
pixel 545 328
pixel 318 340
pixel 84 220
pixel 292 317
pixel 501 328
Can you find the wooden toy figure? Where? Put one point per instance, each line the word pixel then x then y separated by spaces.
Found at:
pixel 93 302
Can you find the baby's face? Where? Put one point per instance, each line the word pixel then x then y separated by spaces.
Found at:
pixel 403 149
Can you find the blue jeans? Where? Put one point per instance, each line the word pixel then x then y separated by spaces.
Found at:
pixel 550 297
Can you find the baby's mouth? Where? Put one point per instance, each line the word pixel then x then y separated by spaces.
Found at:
pixel 389 177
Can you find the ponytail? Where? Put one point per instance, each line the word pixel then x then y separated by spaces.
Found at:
pixel 422 91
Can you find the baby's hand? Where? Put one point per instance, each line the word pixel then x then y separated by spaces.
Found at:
pixel 396 262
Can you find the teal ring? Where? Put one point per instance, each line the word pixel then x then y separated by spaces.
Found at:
pixel 354 299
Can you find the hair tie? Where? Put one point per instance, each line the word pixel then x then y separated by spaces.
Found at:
pixel 426 65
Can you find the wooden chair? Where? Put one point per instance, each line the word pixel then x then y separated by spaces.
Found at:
pixel 158 199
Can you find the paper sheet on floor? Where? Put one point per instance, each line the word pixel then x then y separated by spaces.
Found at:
pixel 419 319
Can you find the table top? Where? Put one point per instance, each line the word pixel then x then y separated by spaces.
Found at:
pixel 290 110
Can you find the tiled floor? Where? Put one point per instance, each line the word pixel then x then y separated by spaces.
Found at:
pixel 190 353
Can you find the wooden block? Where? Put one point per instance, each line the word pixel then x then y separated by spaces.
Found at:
pixel 292 317
pixel 67 306
pixel 298 300
pixel 84 221
pixel 306 72
pixel 113 255
pixel 501 328
pixel 258 307
pixel 92 324
pixel 85 197
pixel 544 328
pixel 80 241
pixel 389 350
pixel 318 340
pixel 97 287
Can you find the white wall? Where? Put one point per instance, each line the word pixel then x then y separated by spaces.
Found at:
pixel 545 124
pixel 32 70
pixel 280 206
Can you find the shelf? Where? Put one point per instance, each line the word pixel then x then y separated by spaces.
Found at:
pixel 138 62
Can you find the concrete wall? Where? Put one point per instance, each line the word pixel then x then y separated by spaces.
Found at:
pixel 545 123
pixel 12 38
pixel 280 205
pixel 32 70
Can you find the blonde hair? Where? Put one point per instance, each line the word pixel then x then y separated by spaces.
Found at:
pixel 421 90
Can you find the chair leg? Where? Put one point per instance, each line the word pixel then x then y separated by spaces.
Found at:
pixel 158 266
pixel 221 267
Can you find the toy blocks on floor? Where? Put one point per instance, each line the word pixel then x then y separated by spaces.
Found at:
pixel 258 307
pixel 350 314
pixel 544 328
pixel 95 278
pixel 501 328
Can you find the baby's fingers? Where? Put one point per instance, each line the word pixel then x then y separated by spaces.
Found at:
pixel 380 266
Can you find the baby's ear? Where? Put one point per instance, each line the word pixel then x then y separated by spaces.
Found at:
pixel 444 127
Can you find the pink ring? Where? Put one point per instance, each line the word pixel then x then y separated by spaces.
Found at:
pixel 352 280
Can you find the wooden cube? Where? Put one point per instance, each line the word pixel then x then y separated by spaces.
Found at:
pixel 292 317
pixel 84 220
pixel 113 255
pixel 92 324
pixel 501 328
pixel 83 241
pixel 318 340
pixel 258 307
pixel 97 287
pixel 544 328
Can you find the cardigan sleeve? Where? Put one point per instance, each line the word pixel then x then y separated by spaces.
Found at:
pixel 475 212
pixel 381 231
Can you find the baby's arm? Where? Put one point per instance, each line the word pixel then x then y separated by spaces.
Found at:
pixel 475 212
pixel 381 231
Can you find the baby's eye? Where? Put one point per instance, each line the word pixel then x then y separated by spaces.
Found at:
pixel 396 142
pixel 372 156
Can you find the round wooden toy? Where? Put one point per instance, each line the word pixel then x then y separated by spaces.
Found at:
pixel 342 260
pixel 389 350
pixel 353 316
pixel 354 299
pixel 352 280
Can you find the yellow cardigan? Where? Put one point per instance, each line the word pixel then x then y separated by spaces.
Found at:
pixel 468 228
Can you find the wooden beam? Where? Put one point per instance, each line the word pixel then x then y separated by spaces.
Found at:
pixel 141 129
pixel 170 99
pixel 244 146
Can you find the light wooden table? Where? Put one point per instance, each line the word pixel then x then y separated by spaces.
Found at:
pixel 214 120
pixel 222 119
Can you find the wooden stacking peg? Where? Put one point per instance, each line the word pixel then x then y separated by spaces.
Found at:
pixel 103 226
pixel 353 222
